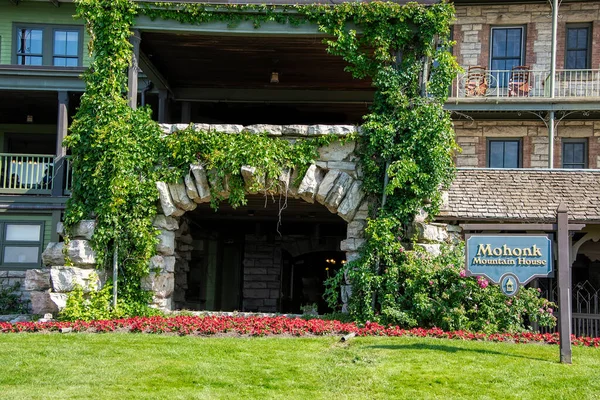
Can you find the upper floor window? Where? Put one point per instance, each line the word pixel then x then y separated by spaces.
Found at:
pixel 504 153
pixel 59 46
pixel 507 49
pixel 574 153
pixel 577 53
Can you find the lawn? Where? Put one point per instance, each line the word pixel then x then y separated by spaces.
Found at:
pixel 142 366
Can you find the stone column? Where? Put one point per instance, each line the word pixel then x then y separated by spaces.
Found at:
pixel 58 178
pixel 133 70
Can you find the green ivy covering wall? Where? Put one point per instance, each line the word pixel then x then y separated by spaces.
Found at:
pixel 119 154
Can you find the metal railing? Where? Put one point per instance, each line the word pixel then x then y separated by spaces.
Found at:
pixel 586 307
pixel 505 84
pixel 26 173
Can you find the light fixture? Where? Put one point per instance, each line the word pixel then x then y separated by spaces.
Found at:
pixel 251 213
pixel 29 119
pixel 274 77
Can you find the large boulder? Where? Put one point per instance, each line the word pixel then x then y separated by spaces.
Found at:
pixel 37 279
pixel 64 279
pixel 79 252
pixel 82 230
pixel 161 284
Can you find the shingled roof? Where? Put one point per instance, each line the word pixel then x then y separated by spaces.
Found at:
pixel 523 195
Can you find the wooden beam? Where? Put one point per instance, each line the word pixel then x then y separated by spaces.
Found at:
pixel 159 81
pixel 273 96
pixel 564 283
pixel 518 227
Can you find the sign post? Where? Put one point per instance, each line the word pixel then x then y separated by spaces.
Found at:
pixel 564 284
pixel 512 260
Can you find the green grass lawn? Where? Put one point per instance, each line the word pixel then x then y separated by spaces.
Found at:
pixel 137 366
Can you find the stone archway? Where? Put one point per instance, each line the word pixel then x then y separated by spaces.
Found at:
pixel 332 181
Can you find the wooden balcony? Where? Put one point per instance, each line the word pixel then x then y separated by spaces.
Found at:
pixel 30 174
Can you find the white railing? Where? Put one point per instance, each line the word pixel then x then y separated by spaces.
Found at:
pixel 573 83
pixel 26 173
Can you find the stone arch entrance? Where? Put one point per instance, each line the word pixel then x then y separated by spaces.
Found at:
pixel 331 181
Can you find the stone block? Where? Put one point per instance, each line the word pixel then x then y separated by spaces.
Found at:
pixel 339 130
pixel 79 252
pixel 434 249
pixel 180 198
pixel 349 206
pixel 429 232
pixel 271 130
pixel 65 278
pixel 166 243
pixel 338 192
pixel 190 188
pixel 37 279
pixel 82 230
pixel 41 303
pixel 336 151
pixel 256 293
pixel 326 185
pixel 351 244
pixel 161 284
pixel 227 128
pixel 356 229
pixel 166 201
pixel 294 130
pixel 161 221
pixel 202 185
pixel 310 183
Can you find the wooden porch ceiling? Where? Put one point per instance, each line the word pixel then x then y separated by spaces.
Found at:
pixel 193 61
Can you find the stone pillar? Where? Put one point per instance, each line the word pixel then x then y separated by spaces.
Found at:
pixel 62 125
pixel 132 75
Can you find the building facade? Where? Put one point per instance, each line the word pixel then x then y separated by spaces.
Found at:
pixel 526 106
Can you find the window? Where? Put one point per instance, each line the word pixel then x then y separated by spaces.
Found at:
pixel 577 54
pixel 21 243
pixel 506 52
pixel 48 45
pixel 574 153
pixel 504 153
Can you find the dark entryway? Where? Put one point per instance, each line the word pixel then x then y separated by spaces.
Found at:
pixel 239 260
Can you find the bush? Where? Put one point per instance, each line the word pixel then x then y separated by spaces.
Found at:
pixel 10 299
pixel 97 305
pixel 414 289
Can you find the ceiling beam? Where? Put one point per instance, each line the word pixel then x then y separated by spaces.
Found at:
pixel 246 95
pixel 159 81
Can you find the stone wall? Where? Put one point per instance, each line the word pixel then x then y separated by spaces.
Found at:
pixel 473 26
pixel 472 137
pixel 262 274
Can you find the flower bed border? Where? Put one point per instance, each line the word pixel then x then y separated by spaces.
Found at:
pixel 279 325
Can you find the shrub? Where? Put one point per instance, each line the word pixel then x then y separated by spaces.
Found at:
pixel 414 289
pixel 10 299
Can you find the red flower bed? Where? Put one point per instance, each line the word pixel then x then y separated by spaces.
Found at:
pixel 264 326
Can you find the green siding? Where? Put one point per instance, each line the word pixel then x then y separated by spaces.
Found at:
pixel 38 13
pixel 47 218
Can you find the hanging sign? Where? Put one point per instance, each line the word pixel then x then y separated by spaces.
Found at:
pixel 509 260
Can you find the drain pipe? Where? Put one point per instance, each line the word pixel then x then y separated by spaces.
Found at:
pixel 143 93
pixel 552 116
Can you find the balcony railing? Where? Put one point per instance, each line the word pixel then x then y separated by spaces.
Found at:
pixel 515 84
pixel 31 174
pixel 26 173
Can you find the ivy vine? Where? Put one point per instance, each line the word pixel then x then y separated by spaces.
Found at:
pixel 118 153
